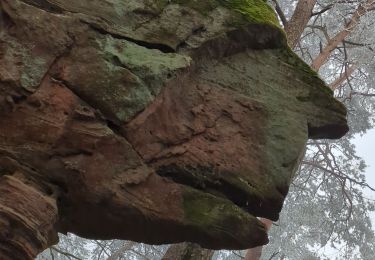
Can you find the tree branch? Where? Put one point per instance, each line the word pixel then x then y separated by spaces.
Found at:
pixel 343 77
pixel 340 176
pixel 65 253
pixel 323 10
pixel 280 13
pixel 332 44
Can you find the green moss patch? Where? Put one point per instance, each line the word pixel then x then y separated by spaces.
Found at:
pixel 205 210
pixel 255 11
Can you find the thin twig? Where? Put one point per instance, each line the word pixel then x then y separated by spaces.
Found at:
pixel 65 253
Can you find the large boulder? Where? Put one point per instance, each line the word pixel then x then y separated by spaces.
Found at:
pixel 154 121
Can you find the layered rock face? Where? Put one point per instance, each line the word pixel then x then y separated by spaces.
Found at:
pixel 154 121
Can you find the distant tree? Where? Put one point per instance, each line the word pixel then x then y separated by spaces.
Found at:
pixel 326 215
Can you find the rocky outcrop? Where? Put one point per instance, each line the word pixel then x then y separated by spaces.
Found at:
pixel 155 121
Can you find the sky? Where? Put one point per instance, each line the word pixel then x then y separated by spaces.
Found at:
pixel 365 145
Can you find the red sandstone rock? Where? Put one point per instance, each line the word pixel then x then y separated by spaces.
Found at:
pixel 150 121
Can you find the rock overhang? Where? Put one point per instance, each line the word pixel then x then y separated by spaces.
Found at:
pixel 206 127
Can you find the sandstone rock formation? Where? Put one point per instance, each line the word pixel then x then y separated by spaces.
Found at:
pixel 158 121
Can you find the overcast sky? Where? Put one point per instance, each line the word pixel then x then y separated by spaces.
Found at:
pixel 366 149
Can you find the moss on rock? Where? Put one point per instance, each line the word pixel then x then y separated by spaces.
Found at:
pixel 255 11
pixel 206 210
pixel 216 215
pixel 319 93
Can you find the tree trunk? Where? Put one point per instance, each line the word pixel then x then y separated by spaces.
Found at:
pixel 332 44
pixel 187 251
pixel 256 252
pixel 297 24
pixel 337 83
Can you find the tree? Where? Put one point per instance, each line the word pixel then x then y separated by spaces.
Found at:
pixel 326 212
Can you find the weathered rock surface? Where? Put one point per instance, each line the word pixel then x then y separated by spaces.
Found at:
pixel 155 121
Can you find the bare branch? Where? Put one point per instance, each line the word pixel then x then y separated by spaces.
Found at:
pixel 339 176
pixel 343 77
pixel 280 13
pixel 124 248
pixel 323 10
pixel 340 37
pixel 69 255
